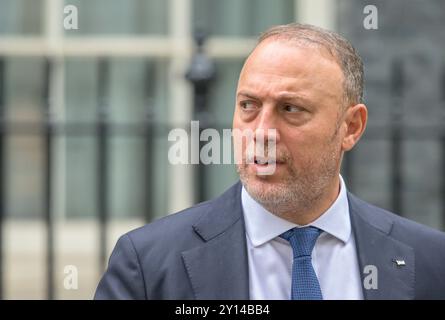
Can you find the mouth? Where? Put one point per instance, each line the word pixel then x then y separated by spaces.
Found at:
pixel 261 161
pixel 265 166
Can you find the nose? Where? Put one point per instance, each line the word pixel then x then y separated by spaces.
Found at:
pixel 267 125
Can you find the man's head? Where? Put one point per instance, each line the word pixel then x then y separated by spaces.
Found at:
pixel 307 83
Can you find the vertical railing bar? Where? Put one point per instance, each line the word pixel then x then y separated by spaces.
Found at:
pixel 201 73
pixel 102 158
pixel 2 169
pixel 48 132
pixel 442 192
pixel 397 88
pixel 442 142
pixel 149 81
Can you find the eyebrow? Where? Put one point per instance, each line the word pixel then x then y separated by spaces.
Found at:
pixel 283 96
pixel 248 95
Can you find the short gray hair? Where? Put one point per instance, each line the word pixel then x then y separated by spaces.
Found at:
pixel 343 52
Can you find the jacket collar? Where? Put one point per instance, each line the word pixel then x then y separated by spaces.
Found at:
pixel 218 269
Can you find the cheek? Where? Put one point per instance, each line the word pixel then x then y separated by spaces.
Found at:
pixel 235 120
pixel 306 146
pixel 238 123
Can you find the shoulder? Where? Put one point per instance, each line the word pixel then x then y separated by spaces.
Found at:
pixel 174 229
pixel 398 227
pixel 178 230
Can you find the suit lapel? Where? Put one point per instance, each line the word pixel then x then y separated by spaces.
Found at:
pixel 378 251
pixel 218 269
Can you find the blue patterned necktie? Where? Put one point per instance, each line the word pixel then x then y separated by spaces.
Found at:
pixel 305 284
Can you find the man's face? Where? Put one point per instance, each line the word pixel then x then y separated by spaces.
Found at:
pixel 297 90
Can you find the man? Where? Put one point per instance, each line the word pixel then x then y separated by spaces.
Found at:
pixel 296 233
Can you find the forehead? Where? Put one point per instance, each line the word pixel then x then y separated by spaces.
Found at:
pixel 283 65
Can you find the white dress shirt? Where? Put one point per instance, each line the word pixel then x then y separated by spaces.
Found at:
pixel 334 256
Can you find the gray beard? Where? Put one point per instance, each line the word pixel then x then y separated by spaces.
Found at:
pixel 297 192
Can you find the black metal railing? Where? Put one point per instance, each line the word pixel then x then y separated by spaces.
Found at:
pixel 201 73
pixel 2 169
pixel 102 129
pixel 102 156
pixel 48 134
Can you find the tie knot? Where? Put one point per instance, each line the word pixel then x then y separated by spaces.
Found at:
pixel 302 240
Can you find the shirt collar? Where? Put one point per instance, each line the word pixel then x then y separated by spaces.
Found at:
pixel 263 226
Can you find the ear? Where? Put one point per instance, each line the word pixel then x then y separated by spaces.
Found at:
pixel 355 119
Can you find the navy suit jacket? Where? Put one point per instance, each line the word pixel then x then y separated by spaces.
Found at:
pixel 200 253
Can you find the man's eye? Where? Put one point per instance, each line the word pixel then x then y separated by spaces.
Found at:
pixel 247 105
pixel 291 108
